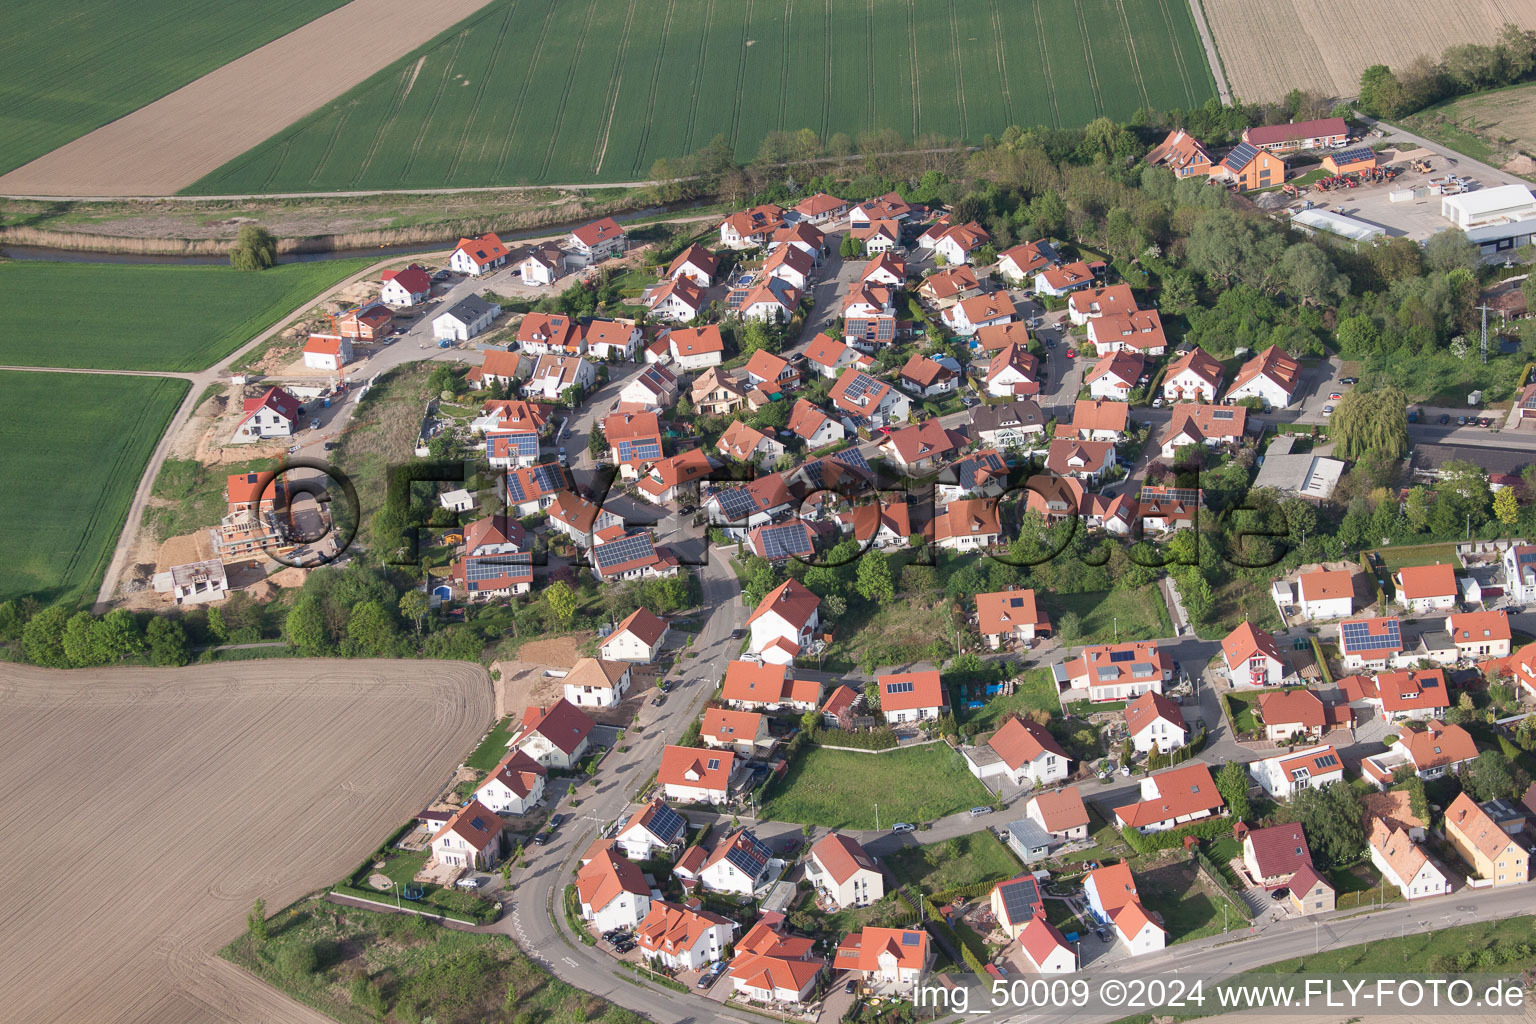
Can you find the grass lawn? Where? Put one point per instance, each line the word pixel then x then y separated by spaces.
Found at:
pixel 1138 614
pixel 1417 554
pixel 1244 707
pixel 193 494
pixel 839 789
pixel 124 316
pixel 1240 600
pixel 410 968
pixel 976 857
pixel 895 633
pixel 493 748
pixel 82 440
pixel 1191 907
pixel 1111 844
pixel 1037 692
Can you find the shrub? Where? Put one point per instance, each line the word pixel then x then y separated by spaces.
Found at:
pixel 1210 828
pixel 298 960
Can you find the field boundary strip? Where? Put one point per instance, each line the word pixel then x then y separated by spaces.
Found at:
pixel 486 79
pixel 531 65
pixel 570 78
pixel 784 51
pixel 1178 58
pixel 954 38
pixel 611 102
pixel 869 60
pixel 741 72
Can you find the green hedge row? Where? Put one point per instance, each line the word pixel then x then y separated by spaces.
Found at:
pixel 1213 872
pixel 937 922
pixel 1207 828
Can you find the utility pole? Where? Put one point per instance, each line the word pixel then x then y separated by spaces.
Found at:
pixel 1484 308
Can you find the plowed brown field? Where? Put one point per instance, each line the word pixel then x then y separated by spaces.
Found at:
pixel 1267 49
pixel 164 147
pixel 145 810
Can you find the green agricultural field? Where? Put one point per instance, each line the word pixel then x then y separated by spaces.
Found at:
pixel 120 316
pixel 77 446
pixel 840 789
pixel 68 69
pixel 597 90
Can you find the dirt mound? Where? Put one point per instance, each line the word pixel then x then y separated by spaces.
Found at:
pixel 557 652
pixel 1520 164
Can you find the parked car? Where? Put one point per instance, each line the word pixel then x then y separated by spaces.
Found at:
pixel 1050 342
pixel 705 980
pixel 314 424
pixel 1071 353
pixel 1125 770
pixel 1280 893
pixel 1335 397
pixel 1461 421
pixel 330 445
pixel 293 449
pixel 977 812
pixel 737 634
pixel 1445 418
pixel 469 882
pixel 1157 403
pixel 540 839
pixel 554 821
pixel 1327 411
pixel 1349 380
pixel 903 826
pixel 623 947
pixel 1486 421
pixel 851 987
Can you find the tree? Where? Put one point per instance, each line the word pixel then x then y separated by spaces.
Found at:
pixel 1381 94
pixel 216 624
pixel 1490 777
pixel 810 721
pixel 1232 784
pixel 1310 275
pixel 1069 629
pixel 370 630
pixel 1369 422
pixel 255 248
pixel 874 577
pixel 1451 250
pixel 1331 818
pixel 305 627
pixel 256 920
pixel 872 696
pixel 80 640
pixel 562 602
pixel 414 605
pixel 1506 506
pixel 42 638
pixel 597 444
pixel 167 642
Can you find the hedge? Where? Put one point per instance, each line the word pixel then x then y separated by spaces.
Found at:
pixel 1213 872
pixel 871 739
pixel 1322 662
pixel 655 979
pixel 937 922
pixel 1208 828
pixel 573 916
pixel 964 892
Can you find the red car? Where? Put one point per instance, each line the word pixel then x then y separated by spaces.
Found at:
pixel 1071 353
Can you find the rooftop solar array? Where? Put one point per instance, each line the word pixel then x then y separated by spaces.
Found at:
pixel 736 503
pixel 861 386
pixel 1240 155
pixel 910 938
pixel 1020 897
pixel 482 568
pixel 1353 156
pixel 640 449
pixel 1358 637
pixel 1184 495
pixel 666 823
pixel 632 548
pixel 749 854
pixel 514 445
pixel 785 540
pixel 873 328
pixel 1118 656
pixel 1221 414
pixel 898 687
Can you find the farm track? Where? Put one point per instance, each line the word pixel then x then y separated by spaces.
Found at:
pixel 826 82
pixel 1002 61
pixel 485 82
pixel 1045 62
pixel 330 145
pixel 565 95
pixel 600 146
pixel 522 95
pixel 666 30
pixel 741 71
pixel 278 785
pixel 869 61
pixel 784 51
pixel 917 92
pixel 1178 57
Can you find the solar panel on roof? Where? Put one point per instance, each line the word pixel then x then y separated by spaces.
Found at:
pixel 1117 656
pixel 735 503
pixel 626 549
pixel 1020 898
pixel 494 567
pixel 1350 156
pixel 1358 636
pixel 910 939
pixel 515 492
pixel 785 540
pixel 749 854
pixel 898 687
pixel 518 445
pixel 667 823
pixel 1244 152
pixel 639 449
pixel 1221 414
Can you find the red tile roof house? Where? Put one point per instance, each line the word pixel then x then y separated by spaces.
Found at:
pixel 743 732
pixel 1300 713
pixel 652 828
pixel 366 323
pixel 555 737
pixel 887 525
pixel 1111 300
pixel 695 775
pixel 1480 634
pixel 841 868
pixel 911 697
pixel 696 263
pixel 682 939
pixel 926 378
pixel 922 446
pixel 1115 375
pixel 1252 658
pixel 327 352
pixel 771 966
pixel 787 617
pixel 471 839
pixel 579 519
pixel 1022 262
pixel 1046 949
pixel 969 315
pixel 1193 377
pixel 1327 594
pixel 1153 722
pixel 885 269
pixel 751 686
pixel 1009 615
pixel 829 356
pixel 1120 671
pixel 750 445
pixel 812 425
pixel 1426 588
pixel 892 960
pixel 771 372
pixel 542 264
pixel 1272 855
pixel 593 682
pixel 1370 643
pixel 678 299
pixel 970 525
pixel 944 288
pixel 1182 154
pixel 1285 775
pixel 1271 376
pixel 957 244
pixel 274 414
pixel 879 236
pixel 887 207
pixel 635 442
pixel 1297 135
pixel 637 640
pixel 612 892
pixel 738 864
pixel 405 287
pixel 1096 419
pixel 612 339
pixel 1060 812
pixel 1057 281
pixel 597 241
pixel 1208 425
pixel 1113 899
pixel 676 477
pixel 696 349
pixel 1022 751
pixel 1413 694
pixel 1013 372
pixel 476 256
pixel 1405 864
pixel 1083 460
pixel 496 560
pixel 514 786
pixel 1431 752
pixel 867 402
pixel 751 228
pixel 821 208
pixel 1137 331
pixel 1172 798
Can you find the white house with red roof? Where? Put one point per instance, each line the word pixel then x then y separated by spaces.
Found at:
pixel 887 207
pixel 751 228
pixel 579 519
pixel 921 446
pixel 1139 330
pixel 405 287
pixel 476 256
pixel 596 241
pixel 1013 371
pixel 842 869
pixel 696 775
pixel 868 402
pixel 1153 722
pixel 745 732
pixel 812 425
pixel 785 622
pixel 652 828
pixel 556 736
pixel 946 287
pixel 772 966
pixel 275 413
pixel 553 374
pixel 821 208
pixel 542 265
pixel 1046 949
pixel 1285 775
pixel 1060 812
pixel 1422 589
pixel 959 242
pixel 1252 657
pixel 926 377
pixel 1173 798
pixel 544 333
pixel 696 263
pixel 892 960
pixel 1082 460
pixel 738 864
pixel 1480 634
pixel 1119 671
pixel 829 356
pixel 593 682
pixel 612 339
pixel 1208 425
pixel 1431 752
pixel 681 938
pixel 886 525
pixel 1288 714
pixel 1009 615
pixel 327 352
pixel 655 388
pixel 911 697
pixel 1326 594
pixel 1022 751
pixel 637 640
pixel 1113 900
pixel 470 839
pixel 696 348
pixel 678 299
pixel 1111 300
pixel 1022 262
pixel 612 892
pixel 1406 694
pixel 973 524
pixel 514 786
pixel 1096 419
pixel 1404 863
pixel 1271 376
pixel 791 264
pixel 1015 902
pixel 1519 562
pixel 1193 377
pixel 1370 643
pixel 1115 375
pixel 752 685
pixel 1057 281
pixel 1296 135
pixel 885 269
pixel 969 315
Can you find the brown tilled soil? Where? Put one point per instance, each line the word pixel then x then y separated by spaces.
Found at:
pixel 164 147
pixel 149 808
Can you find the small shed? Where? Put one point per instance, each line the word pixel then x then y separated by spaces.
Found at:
pixel 1028 840
pixel 1351 161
